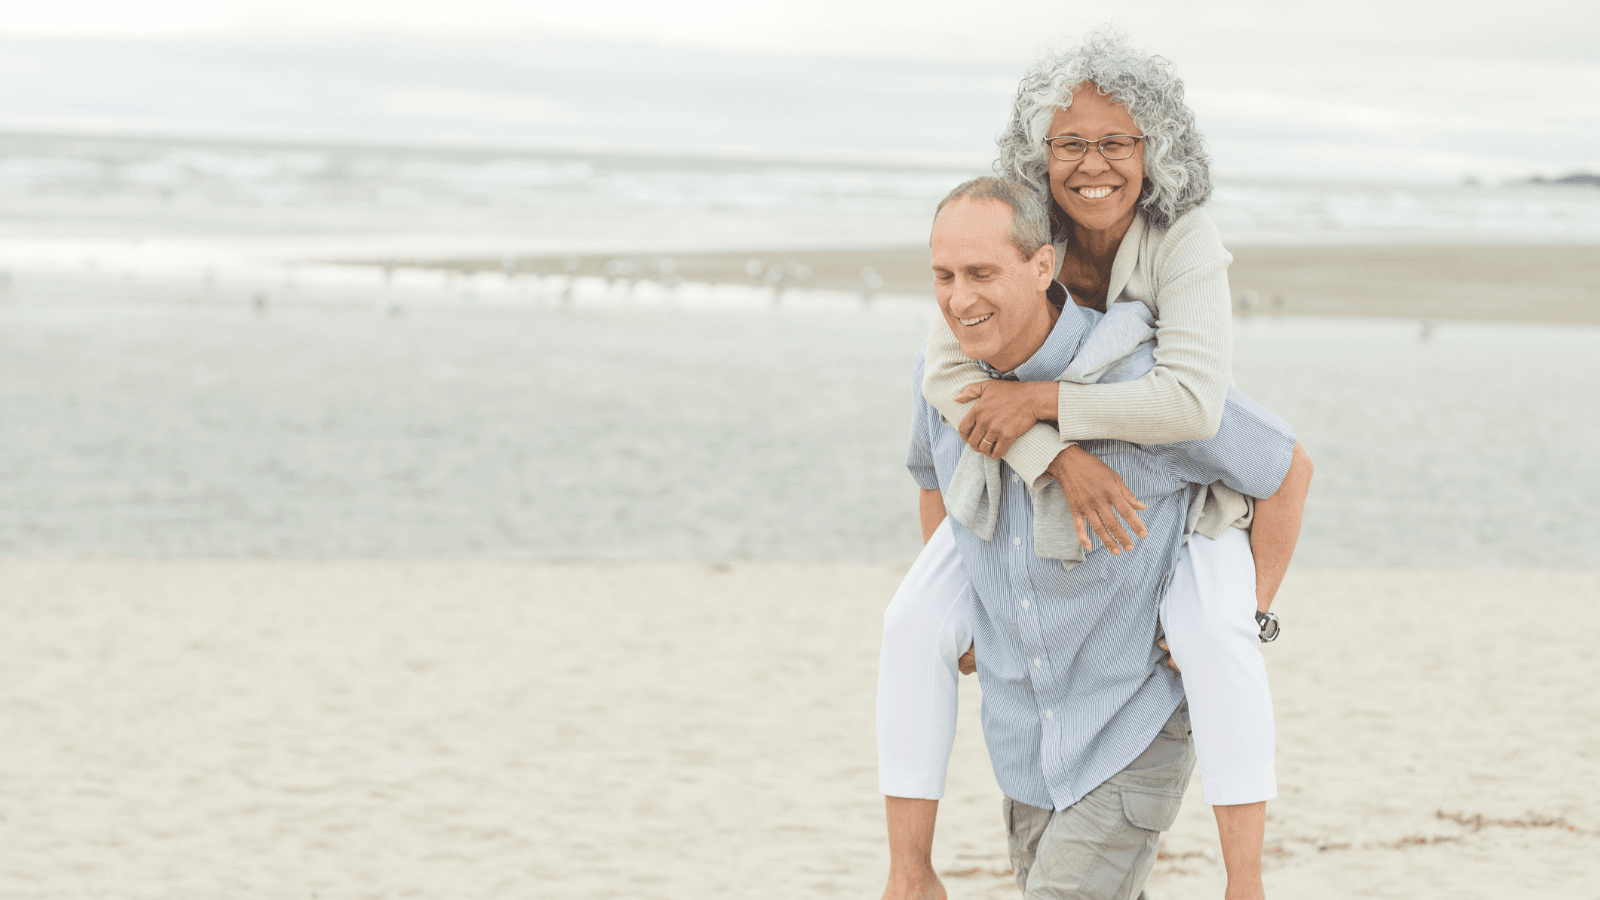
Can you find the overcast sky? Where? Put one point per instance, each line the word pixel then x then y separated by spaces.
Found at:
pixel 1393 90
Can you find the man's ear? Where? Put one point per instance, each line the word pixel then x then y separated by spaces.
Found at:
pixel 1045 259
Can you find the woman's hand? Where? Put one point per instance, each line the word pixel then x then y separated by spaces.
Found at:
pixel 1093 490
pixel 1005 409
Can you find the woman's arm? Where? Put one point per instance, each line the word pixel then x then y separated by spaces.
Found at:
pixel 947 373
pixel 1181 399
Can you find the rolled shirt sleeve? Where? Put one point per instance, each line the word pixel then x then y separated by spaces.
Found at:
pixel 919 451
pixel 1250 452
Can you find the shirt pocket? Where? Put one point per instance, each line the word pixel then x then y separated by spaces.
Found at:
pixel 1149 809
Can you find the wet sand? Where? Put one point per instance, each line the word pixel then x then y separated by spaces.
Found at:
pixel 194 729
pixel 183 421
pixel 1558 284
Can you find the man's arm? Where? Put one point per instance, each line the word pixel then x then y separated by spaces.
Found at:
pixel 930 507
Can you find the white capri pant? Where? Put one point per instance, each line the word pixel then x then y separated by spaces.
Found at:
pixel 1208 615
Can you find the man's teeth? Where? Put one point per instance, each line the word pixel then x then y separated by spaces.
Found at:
pixel 983 318
pixel 1095 193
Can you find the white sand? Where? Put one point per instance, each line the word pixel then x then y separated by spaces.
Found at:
pixel 473 729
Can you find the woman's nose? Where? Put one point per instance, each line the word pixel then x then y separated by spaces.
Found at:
pixel 1093 163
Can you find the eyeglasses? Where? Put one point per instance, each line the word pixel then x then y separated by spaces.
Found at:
pixel 1115 146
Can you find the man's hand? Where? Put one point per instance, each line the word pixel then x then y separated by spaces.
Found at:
pixel 1170 661
pixel 1005 409
pixel 1093 490
pixel 968 663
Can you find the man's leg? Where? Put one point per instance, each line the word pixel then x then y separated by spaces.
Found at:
pixel 1103 846
pixel 1025 827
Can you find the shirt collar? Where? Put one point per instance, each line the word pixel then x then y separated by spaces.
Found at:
pixel 1052 358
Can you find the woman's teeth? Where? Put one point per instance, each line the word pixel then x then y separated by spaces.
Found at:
pixel 984 318
pixel 1095 193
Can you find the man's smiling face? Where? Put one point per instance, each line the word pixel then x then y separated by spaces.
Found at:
pixel 993 298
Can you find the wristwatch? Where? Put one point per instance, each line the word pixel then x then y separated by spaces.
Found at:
pixel 1269 626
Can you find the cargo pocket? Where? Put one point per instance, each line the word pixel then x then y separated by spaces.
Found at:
pixel 1150 810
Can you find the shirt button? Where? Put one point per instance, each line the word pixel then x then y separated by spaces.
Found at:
pixel 1017 541
pixel 1024 604
pixel 1049 714
pixel 1016 478
pixel 1037 662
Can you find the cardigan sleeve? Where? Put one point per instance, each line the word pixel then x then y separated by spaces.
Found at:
pixel 1182 397
pixel 948 371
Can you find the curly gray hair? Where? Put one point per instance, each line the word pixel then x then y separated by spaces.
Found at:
pixel 1177 169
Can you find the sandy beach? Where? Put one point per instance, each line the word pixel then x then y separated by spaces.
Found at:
pixel 1494 283
pixel 194 729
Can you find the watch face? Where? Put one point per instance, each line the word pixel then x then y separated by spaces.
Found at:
pixel 1269 626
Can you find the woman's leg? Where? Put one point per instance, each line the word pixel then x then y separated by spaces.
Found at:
pixel 926 628
pixel 1276 528
pixel 1209 617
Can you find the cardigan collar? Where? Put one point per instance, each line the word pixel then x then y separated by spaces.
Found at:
pixel 1127 257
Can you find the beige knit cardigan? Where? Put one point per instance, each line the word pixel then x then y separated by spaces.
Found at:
pixel 1181 274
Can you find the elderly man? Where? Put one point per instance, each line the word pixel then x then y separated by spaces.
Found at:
pixel 1087 730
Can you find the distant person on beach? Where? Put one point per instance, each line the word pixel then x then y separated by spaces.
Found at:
pixel 1126 231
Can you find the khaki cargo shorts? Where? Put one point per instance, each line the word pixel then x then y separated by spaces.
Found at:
pixel 1103 846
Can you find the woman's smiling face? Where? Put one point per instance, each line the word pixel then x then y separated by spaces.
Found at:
pixel 1098 194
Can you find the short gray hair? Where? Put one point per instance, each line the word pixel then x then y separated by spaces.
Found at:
pixel 1177 169
pixel 1030 221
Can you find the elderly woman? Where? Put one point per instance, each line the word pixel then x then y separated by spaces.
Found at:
pixel 1102 130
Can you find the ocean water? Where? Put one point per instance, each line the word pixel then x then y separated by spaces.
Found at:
pixel 190 207
pixel 158 418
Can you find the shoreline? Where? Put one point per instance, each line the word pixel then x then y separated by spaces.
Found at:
pixel 1557 284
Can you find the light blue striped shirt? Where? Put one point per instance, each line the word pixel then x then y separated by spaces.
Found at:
pixel 1073 688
